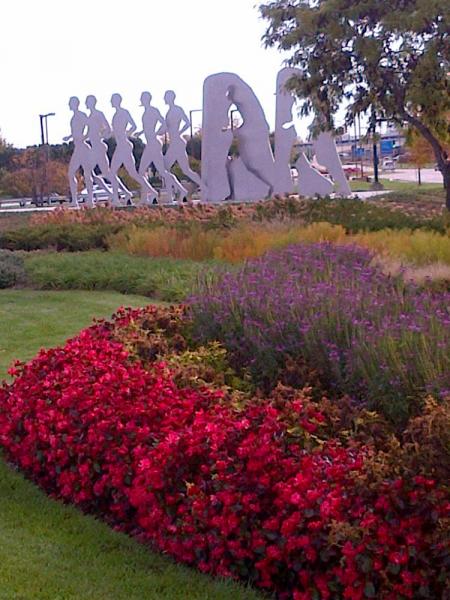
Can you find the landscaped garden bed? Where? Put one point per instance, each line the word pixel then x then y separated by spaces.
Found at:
pixel 290 427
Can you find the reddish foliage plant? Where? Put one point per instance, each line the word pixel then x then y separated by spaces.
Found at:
pixel 239 492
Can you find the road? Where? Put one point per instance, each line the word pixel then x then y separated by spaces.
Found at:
pixel 22 205
pixel 427 175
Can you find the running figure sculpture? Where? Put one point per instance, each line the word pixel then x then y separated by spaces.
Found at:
pixel 177 123
pixel 81 156
pixel 123 127
pixel 153 152
pixel 98 130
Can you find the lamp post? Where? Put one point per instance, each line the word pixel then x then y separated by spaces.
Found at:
pixel 44 142
pixel 44 127
pixel 191 112
pixel 373 126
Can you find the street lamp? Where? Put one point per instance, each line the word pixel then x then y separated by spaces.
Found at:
pixel 191 112
pixel 373 126
pixel 44 143
pixel 44 127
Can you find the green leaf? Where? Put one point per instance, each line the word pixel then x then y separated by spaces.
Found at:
pixel 369 590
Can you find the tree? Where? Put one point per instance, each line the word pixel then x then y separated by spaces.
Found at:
pixel 420 151
pixel 7 152
pixel 387 56
pixel 30 174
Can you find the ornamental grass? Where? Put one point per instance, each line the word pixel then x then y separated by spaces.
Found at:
pixel 382 341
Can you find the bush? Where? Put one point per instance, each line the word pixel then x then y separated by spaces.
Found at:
pixel 71 237
pixel 383 342
pixel 251 492
pixel 418 247
pixel 250 240
pixel 163 279
pixel 12 269
pixel 354 215
pixel 357 216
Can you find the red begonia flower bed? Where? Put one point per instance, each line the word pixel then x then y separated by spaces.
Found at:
pixel 231 491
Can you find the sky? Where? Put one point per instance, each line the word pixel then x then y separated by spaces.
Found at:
pixel 53 49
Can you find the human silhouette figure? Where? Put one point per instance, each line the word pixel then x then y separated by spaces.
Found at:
pixel 285 133
pixel 177 123
pixel 153 152
pixel 98 130
pixel 253 135
pixel 81 156
pixel 123 126
pixel 217 137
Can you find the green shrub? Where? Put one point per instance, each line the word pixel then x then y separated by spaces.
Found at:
pixel 73 237
pixel 357 216
pixel 12 270
pixel 164 279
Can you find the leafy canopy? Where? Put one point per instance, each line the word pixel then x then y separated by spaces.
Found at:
pixel 391 55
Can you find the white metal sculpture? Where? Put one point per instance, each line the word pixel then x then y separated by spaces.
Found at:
pixel 255 172
pixel 252 136
pixel 327 155
pixel 177 123
pixel 81 156
pixel 311 183
pixel 285 134
pixel 154 126
pixel 98 130
pixel 217 138
pixel 123 127
pixel 249 176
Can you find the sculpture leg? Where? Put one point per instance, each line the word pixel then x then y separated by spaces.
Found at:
pixel 89 187
pixel 146 188
pixel 74 165
pixel 73 182
pixel 183 161
pixel 169 177
pixel 115 166
pixel 253 169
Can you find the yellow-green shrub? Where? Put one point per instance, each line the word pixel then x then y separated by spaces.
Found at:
pixel 238 244
pixel 193 243
pixel 419 247
pixel 249 240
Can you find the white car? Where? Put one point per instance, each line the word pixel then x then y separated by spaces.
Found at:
pixel 388 164
pixel 99 194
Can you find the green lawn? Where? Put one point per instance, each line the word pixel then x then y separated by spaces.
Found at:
pixel 397 186
pixel 30 320
pixel 52 552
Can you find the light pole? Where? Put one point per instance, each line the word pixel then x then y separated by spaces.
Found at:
pixel 373 126
pixel 44 127
pixel 44 143
pixel 191 112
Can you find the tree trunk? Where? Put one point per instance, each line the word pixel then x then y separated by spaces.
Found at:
pixel 446 175
pixel 442 159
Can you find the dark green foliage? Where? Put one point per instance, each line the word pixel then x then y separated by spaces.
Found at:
pixel 356 216
pixel 72 237
pixel 390 58
pixel 12 270
pixel 164 278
